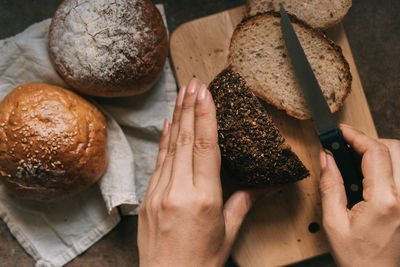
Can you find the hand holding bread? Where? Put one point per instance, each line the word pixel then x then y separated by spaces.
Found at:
pixel 182 220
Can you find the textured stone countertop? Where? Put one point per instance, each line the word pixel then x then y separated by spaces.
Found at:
pixel 373 30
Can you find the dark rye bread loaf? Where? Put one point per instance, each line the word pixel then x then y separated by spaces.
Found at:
pixel 251 145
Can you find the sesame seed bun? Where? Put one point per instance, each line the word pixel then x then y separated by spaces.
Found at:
pixel 52 142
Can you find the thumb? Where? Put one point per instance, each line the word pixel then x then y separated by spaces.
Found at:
pixel 237 207
pixel 333 194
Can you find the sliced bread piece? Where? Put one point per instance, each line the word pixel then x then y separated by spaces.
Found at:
pixel 251 145
pixel 258 53
pixel 318 14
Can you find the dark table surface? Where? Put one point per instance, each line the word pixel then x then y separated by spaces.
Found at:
pixel 373 30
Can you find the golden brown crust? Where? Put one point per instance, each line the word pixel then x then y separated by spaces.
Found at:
pixel 52 142
pixel 318 33
pixel 136 73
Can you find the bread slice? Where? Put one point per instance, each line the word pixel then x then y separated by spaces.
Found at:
pixel 258 53
pixel 251 145
pixel 318 14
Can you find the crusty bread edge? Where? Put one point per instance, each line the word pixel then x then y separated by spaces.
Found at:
pixel 324 26
pixel 259 106
pixel 321 35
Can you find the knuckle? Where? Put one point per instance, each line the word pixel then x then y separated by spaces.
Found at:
pixel 185 137
pixel 205 202
pixel 204 145
pixel 381 149
pixel 326 185
pixel 152 205
pixel 162 148
pixel 188 104
pixel 177 114
pixel 171 151
pixel 142 210
pixel 389 205
pixel 170 203
pixel 202 113
pixel 394 144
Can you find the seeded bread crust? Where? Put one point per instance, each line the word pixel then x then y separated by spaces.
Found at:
pixel 53 143
pixel 251 145
pixel 303 113
pixel 309 13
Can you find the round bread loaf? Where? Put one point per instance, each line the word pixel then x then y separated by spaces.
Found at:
pixel 108 48
pixel 52 142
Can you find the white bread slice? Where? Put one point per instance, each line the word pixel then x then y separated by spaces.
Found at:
pixel 258 53
pixel 319 14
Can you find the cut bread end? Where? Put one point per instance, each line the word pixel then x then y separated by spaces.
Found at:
pixel 252 148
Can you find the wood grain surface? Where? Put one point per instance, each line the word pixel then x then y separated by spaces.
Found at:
pixel 277 230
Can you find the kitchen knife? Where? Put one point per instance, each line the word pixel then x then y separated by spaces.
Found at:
pixel 328 131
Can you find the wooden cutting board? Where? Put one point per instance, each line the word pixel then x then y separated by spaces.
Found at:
pixel 284 228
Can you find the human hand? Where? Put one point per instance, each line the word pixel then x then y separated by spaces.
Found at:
pixel 369 233
pixel 182 220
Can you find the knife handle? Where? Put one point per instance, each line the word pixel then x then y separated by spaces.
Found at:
pixel 348 165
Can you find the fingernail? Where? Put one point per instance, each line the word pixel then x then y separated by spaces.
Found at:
pixel 165 127
pixel 202 93
pixel 192 86
pixel 181 96
pixel 322 159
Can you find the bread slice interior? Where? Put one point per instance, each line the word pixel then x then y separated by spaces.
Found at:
pixel 318 14
pixel 258 53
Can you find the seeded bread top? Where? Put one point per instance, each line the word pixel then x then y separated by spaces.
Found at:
pixel 251 145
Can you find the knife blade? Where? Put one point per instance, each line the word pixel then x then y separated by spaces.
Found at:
pixel 325 124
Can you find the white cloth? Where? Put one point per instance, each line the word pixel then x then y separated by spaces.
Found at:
pixel 53 234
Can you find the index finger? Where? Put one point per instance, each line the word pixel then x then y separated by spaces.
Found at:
pixel 376 165
pixel 206 155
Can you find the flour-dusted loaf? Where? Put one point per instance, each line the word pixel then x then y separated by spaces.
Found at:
pixel 52 142
pixel 317 13
pixel 108 48
pixel 258 53
pixel 251 145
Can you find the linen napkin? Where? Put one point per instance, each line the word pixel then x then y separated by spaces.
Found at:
pixel 55 233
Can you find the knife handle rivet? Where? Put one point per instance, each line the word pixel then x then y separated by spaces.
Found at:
pixel 335 145
pixel 354 187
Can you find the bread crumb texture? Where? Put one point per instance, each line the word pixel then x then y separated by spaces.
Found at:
pixel 52 142
pixel 258 52
pixel 318 14
pixel 251 145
